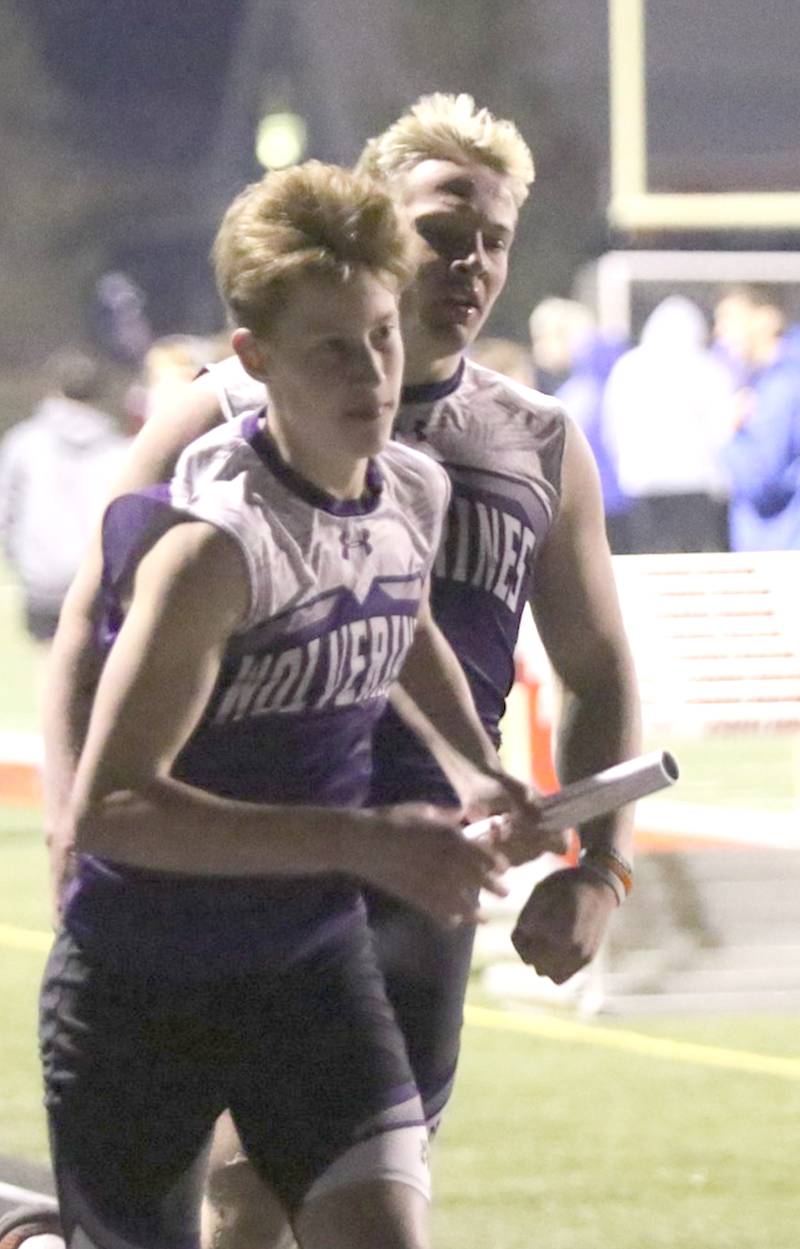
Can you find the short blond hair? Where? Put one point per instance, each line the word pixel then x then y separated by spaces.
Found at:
pixel 450 127
pixel 309 219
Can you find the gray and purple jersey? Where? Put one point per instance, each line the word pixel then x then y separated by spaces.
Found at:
pixel 502 446
pixel 335 588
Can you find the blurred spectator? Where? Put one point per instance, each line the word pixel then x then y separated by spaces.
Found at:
pixel 572 361
pixel 55 469
pixel 790 342
pixel 171 362
pixel 762 457
pixel 505 356
pixel 667 410
pixel 559 329
pixel 582 396
pixel 121 323
pixel 732 314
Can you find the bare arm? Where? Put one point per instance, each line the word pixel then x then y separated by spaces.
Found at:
pixel 577 612
pixel 578 616
pixel 434 698
pixel 191 592
pixel 74 666
pixel 154 687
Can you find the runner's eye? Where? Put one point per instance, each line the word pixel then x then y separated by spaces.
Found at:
pixel 335 346
pixel 441 238
pixel 384 334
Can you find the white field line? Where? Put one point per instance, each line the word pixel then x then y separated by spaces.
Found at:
pixel 25 1196
pixel 551 1027
pixel 777 830
pixel 18 747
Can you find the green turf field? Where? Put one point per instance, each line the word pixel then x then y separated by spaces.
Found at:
pixel 18 664
pixel 759 770
pixel 667 1134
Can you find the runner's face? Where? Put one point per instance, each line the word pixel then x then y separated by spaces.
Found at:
pixel 464 217
pixel 333 363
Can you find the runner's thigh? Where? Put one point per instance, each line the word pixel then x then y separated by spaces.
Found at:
pixel 426 970
pixel 132 1082
pixel 323 1068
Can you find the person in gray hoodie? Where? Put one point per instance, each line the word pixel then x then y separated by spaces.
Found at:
pixel 666 415
pixel 55 470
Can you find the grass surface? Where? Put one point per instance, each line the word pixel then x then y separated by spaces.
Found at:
pixel 23 909
pixel 571 1147
pixel 550 1142
pixel 19 662
pixel 758 770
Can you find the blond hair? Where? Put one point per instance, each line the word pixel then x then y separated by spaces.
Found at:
pixel 310 219
pixel 450 127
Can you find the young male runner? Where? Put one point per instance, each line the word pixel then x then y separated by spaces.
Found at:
pixel 214 951
pixel 525 524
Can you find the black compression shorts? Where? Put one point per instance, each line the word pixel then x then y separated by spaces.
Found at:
pixel 309 1060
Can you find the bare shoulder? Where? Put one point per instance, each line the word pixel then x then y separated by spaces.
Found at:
pixel 580 480
pixel 197 401
pixel 190 411
pixel 197 572
pixel 575 603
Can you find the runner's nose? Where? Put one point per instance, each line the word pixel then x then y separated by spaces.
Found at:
pixel 473 261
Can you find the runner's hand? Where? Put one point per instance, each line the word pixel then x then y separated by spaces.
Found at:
pixel 563 923
pixel 417 852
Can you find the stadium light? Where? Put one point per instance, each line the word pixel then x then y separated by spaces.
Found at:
pixel 280 140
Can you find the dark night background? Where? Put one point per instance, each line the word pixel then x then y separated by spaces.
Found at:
pixel 127 125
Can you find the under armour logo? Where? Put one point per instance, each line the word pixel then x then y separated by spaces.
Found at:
pixel 512 576
pixel 350 541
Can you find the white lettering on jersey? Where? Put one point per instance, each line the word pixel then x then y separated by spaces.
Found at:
pixel 379 650
pixel 487 548
pixel 355 663
pixel 238 697
pixel 357 633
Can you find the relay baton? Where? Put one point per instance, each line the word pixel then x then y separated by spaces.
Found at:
pixel 598 794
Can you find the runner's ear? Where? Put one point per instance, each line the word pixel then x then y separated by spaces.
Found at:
pixel 252 352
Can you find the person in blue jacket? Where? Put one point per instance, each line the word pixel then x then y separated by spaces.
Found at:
pixel 762 458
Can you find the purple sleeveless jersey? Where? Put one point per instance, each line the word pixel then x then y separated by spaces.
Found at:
pixel 334 592
pixel 502 446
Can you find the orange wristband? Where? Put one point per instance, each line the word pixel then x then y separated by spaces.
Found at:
pixel 611 862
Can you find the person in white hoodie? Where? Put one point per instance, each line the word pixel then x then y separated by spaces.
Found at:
pixel 55 469
pixel 666 412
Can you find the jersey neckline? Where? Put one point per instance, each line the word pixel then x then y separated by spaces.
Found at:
pixel 257 434
pixel 429 392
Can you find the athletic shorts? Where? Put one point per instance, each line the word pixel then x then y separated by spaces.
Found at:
pixel 309 1060
pixel 426 969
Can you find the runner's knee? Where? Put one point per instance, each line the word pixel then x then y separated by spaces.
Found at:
pixel 240 1212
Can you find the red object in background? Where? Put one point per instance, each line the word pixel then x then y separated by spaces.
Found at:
pixel 540 732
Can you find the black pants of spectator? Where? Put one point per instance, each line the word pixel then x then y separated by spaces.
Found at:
pixel 667 523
